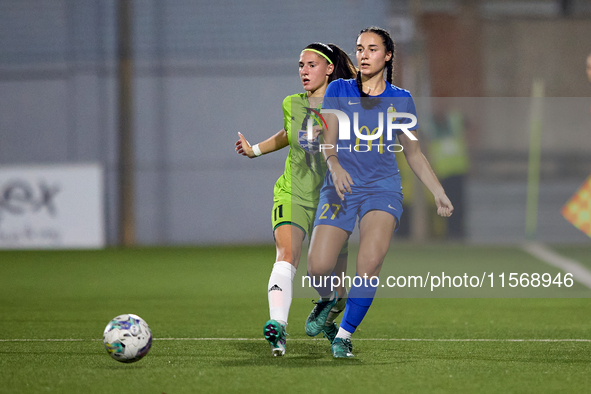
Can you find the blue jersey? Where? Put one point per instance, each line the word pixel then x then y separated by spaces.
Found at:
pixel 370 163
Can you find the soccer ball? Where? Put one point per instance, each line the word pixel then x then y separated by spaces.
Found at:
pixel 127 338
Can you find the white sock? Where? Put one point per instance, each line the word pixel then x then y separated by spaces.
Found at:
pixel 280 290
pixel 344 334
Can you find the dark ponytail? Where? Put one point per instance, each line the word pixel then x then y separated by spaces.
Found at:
pixel 390 71
pixel 343 66
pixel 360 85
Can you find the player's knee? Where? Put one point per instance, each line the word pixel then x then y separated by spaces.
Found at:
pixel 371 264
pixel 314 269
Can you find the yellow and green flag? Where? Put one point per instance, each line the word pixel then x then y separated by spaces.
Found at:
pixel 577 210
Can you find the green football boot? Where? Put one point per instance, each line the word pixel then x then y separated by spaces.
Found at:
pixel 330 332
pixel 342 348
pixel 317 318
pixel 275 334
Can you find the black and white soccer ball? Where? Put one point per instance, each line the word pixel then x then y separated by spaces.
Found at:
pixel 127 338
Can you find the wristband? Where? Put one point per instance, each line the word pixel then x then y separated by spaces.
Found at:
pixel 256 150
pixel 330 157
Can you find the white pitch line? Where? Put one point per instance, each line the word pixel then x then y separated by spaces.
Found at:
pixel 48 340
pixel 386 339
pixel 580 272
pixel 319 339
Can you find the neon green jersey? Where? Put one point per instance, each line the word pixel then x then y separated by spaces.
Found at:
pixel 304 171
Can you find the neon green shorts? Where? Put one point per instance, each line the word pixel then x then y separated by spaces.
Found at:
pixel 286 212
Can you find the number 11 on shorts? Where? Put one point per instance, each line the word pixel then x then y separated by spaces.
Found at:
pixel 280 209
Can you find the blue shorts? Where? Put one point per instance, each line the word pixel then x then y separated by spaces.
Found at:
pixel 343 214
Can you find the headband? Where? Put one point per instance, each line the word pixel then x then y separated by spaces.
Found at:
pixel 320 53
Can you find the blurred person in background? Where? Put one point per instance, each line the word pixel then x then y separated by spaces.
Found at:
pixel 448 155
pixel 589 68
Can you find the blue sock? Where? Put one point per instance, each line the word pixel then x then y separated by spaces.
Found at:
pixel 323 288
pixel 358 302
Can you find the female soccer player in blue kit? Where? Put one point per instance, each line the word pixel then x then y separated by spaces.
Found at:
pixel 297 190
pixel 363 181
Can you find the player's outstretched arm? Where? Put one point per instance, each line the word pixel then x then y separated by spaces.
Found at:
pixel 271 144
pixel 422 169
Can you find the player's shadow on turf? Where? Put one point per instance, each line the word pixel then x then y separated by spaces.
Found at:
pixel 298 355
pixel 126 366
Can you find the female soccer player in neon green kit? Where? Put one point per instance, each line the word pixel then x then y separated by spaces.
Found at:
pixel 297 190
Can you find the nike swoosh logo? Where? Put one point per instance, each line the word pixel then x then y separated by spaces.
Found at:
pixel 391 207
pixel 350 103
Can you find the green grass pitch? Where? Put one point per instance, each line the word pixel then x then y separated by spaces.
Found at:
pixel 420 343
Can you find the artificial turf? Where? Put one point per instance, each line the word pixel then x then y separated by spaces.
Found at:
pixel 206 308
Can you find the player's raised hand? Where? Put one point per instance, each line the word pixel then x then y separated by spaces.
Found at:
pixel 444 206
pixel 243 147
